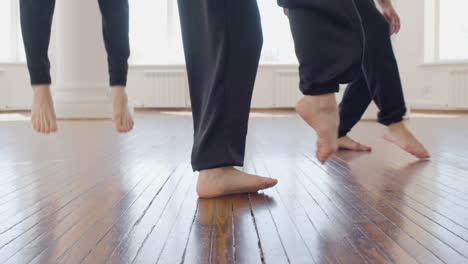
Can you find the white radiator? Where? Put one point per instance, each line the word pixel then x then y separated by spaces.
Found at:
pixel 458 89
pixel 169 88
pixel 286 91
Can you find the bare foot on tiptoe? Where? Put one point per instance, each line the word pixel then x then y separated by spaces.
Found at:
pixel 347 143
pixel 43 116
pixel 225 181
pixel 321 113
pixel 399 135
pixel 122 117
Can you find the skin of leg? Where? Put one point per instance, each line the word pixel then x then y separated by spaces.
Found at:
pixel 222 44
pixel 383 79
pixel 328 55
pixel 321 113
pixel 115 24
pixel 36 23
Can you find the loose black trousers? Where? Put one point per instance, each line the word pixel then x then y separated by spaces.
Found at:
pixel 222 44
pixel 347 41
pixel 36 23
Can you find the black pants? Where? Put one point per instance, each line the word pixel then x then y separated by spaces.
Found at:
pixel 347 41
pixel 222 44
pixel 36 23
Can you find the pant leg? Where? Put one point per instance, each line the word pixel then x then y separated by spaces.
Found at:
pixel 115 24
pixel 222 44
pixel 356 100
pixel 36 24
pixel 328 43
pixel 379 64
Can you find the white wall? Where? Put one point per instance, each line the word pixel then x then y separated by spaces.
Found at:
pixel 15 92
pixel 426 85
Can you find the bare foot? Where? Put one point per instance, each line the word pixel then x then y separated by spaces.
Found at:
pixel 43 116
pixel 347 143
pixel 122 117
pixel 399 135
pixel 225 181
pixel 321 113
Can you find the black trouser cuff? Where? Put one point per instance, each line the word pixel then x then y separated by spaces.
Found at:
pixel 314 90
pixel 40 77
pixel 392 118
pixel 212 165
pixel 118 78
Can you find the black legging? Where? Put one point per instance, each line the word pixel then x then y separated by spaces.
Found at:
pixel 222 43
pixel 36 23
pixel 347 41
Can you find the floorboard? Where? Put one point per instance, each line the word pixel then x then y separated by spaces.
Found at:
pixel 91 195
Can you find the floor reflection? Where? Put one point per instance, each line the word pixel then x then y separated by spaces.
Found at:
pixel 223 224
pixel 378 207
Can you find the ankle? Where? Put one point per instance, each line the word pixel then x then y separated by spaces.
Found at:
pixel 214 172
pixel 118 88
pixel 41 88
pixel 323 103
pixel 396 126
pixel 119 92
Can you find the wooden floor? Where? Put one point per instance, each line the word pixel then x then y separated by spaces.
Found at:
pixel 90 195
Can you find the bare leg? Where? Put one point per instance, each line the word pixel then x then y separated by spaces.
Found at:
pixel 122 117
pixel 321 113
pixel 225 181
pixel 43 116
pixel 347 143
pixel 399 135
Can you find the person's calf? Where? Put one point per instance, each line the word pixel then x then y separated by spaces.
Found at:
pixel 321 113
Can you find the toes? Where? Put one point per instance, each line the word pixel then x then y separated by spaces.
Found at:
pixel 424 154
pixel 40 125
pixel 128 126
pixel 45 125
pixel 324 156
pixel 119 125
pixel 266 183
pixel 364 148
pixel 35 124
pixel 124 125
pixel 355 146
pixel 272 183
pixel 53 126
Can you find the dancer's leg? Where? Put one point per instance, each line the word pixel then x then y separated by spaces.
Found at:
pixel 115 23
pixel 222 42
pixel 36 23
pixel 355 101
pixel 383 79
pixel 326 59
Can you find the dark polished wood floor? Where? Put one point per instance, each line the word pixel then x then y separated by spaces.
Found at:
pixel 90 195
